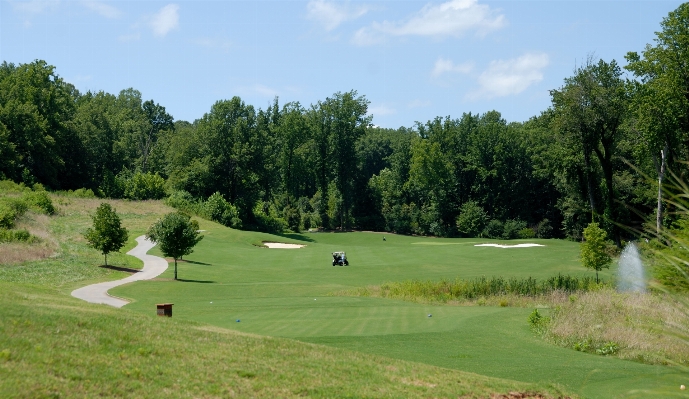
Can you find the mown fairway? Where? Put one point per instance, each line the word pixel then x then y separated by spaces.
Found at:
pixel 285 292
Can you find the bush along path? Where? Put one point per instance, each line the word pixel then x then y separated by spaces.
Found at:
pixel 153 267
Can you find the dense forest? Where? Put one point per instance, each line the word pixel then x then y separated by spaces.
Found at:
pixel 603 150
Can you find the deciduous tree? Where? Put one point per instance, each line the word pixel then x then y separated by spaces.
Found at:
pixel 593 249
pixel 107 234
pixel 176 234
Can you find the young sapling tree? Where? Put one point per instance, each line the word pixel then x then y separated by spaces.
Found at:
pixel 107 234
pixel 176 234
pixel 593 253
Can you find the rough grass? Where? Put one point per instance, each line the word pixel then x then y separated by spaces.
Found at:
pixel 495 291
pixel 650 328
pixel 54 346
pixel 62 256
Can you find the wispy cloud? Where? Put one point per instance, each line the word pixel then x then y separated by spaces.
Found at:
pixel 105 10
pixel 443 66
pixel 508 77
pixel 34 6
pixel 453 18
pixel 331 14
pixel 381 110
pixel 165 20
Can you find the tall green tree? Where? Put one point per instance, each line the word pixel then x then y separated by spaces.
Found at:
pixel 293 133
pixel 36 108
pixel 661 101
pixel 176 234
pixel 348 120
pixel 228 132
pixel 107 234
pixel 590 109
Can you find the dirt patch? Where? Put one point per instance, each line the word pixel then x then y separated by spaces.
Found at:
pixel 282 245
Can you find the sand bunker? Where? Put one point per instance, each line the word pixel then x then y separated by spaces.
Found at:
pixel 282 245
pixel 525 245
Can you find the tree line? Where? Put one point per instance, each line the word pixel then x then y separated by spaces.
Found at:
pixel 588 157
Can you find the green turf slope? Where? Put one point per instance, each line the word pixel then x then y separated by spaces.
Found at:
pixel 284 292
pixel 55 346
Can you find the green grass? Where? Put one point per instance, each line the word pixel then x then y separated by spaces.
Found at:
pixel 287 293
pixel 54 346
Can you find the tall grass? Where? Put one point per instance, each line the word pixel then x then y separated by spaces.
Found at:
pixel 630 325
pixel 646 327
pixel 461 290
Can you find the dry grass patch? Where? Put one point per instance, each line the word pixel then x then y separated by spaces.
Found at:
pixel 649 328
pixel 19 252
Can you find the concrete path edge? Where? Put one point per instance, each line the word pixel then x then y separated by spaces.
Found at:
pixel 154 266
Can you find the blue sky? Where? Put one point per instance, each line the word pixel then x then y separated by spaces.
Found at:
pixel 413 60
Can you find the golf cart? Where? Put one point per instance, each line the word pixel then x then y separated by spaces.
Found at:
pixel 340 259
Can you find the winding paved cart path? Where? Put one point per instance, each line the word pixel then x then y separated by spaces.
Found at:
pixel 153 267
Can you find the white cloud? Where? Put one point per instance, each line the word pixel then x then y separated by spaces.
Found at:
pixel 330 14
pixel 34 6
pixel 443 65
pixel 103 9
pixel 165 20
pixel 381 110
pixel 452 18
pixel 508 77
pixel 265 91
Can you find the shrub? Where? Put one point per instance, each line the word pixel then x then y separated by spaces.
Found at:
pixel 10 210
pixel 511 229
pixel 16 235
pixel 494 229
pixel 609 348
pixel 267 219
pixel 292 217
pixel 216 208
pixel 544 229
pixel 471 220
pixel 39 200
pixel 526 233
pixel 144 186
pixel 78 193
pixel 538 322
pixel 10 186
pixel 184 202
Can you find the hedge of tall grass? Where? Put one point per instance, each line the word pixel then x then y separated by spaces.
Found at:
pixel 459 289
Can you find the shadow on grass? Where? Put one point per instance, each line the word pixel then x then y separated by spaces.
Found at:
pixel 295 236
pixel 196 281
pixel 120 269
pixel 197 263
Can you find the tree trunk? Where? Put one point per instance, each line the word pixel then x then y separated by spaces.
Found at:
pixel 606 164
pixel 175 268
pixel 106 259
pixel 661 176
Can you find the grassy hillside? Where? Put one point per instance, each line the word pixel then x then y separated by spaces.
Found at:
pixel 55 346
pixel 288 293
